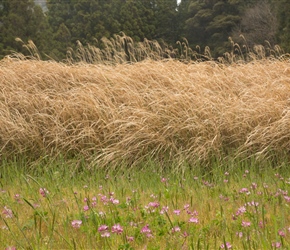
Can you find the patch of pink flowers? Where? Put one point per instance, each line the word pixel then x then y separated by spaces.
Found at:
pixel 43 192
pixel 7 212
pixel 175 229
pixel 117 229
pixel 147 231
pixel 177 212
pixel 226 246
pixel 246 224
pixel 193 220
pixel 103 230
pixel 276 244
pixel 76 223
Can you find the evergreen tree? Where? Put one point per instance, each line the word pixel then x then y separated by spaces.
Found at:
pixel 182 15
pixel 283 15
pixel 60 17
pixel 210 22
pixel 24 20
pixel 137 19
pixel 166 20
pixel 81 20
pixel 90 20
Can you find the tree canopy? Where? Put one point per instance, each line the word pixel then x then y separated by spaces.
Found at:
pixel 57 25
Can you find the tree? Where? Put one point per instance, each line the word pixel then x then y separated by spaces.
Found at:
pixel 90 20
pixel 137 19
pixel 60 18
pixel 210 22
pixel 166 20
pixel 283 14
pixel 24 20
pixel 258 24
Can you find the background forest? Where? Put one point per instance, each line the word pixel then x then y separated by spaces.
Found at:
pixel 56 25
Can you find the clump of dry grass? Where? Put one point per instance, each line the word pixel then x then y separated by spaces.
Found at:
pixel 165 110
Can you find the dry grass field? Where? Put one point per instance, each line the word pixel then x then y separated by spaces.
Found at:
pixel 162 110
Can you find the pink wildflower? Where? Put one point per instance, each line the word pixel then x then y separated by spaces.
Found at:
pixel 185 234
pixel 146 229
pixel 227 246
pixel 276 244
pixel 175 229
pixel 246 224
pixel 252 203
pixel 35 205
pixel 17 197
pixel 104 199
pixel 241 210
pixel 164 210
pixel 287 198
pixel 177 212
pixel 163 179
pixel 103 228
pixel 105 234
pixel 193 220
pixel 153 204
pixel 261 224
pixel 149 235
pixel 281 233
pixel 194 213
pixel 43 192
pixel 102 214
pixel 130 238
pixel 254 185
pixel 117 229
pixel 244 190
pixel 76 223
pixel 114 201
pixel 7 212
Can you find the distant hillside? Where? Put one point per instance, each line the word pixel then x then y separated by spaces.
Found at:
pixel 42 3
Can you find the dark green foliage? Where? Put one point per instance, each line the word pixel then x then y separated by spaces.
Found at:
pixel 210 23
pixel 283 13
pixel 24 20
pixel 258 25
pixel 202 22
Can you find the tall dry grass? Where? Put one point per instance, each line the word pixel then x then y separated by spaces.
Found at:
pixel 165 110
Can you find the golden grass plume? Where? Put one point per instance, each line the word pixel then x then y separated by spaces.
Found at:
pixel 164 110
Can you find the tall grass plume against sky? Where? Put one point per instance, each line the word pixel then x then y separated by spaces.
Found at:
pixel 156 109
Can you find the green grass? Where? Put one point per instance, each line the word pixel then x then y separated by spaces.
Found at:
pixel 233 204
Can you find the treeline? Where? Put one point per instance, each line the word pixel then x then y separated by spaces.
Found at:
pixel 62 23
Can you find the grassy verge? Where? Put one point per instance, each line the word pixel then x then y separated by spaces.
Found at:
pixel 232 205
